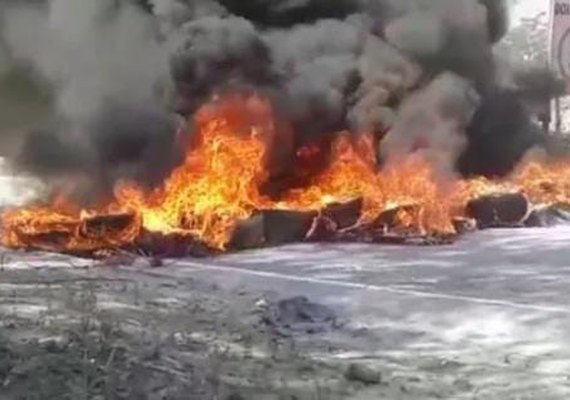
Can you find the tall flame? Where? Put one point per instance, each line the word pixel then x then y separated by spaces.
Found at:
pixel 219 183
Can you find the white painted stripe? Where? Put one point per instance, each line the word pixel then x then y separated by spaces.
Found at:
pixel 373 288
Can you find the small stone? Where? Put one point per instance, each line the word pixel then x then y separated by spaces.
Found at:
pixel 261 304
pixel 363 374
pixel 52 344
pixel 235 396
pixel 179 338
pixel 464 385
pixel 156 262
pixel 10 325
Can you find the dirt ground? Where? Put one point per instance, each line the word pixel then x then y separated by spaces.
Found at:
pixel 68 331
pixel 102 333
pixel 482 320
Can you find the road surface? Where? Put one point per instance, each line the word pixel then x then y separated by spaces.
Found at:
pixel 485 318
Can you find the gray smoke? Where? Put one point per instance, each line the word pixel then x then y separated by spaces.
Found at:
pixel 110 73
pixel 343 64
pixel 411 71
pixel 92 51
pixel 434 120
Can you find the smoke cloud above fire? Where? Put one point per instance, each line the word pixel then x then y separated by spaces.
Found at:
pixel 420 74
pixel 110 73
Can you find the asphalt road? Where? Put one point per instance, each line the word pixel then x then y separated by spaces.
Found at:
pixel 490 312
pixel 485 318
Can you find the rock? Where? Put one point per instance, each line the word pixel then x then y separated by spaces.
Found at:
pixel 363 374
pixel 156 262
pixel 55 344
pixel 463 385
pixel 117 260
pixel 298 314
pixel 261 304
pixel 235 396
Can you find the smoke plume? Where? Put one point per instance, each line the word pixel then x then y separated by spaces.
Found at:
pixel 108 68
pixel 418 73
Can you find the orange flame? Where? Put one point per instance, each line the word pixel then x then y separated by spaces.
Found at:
pixel 219 183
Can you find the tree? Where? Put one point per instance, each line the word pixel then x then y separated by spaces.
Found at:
pixel 527 43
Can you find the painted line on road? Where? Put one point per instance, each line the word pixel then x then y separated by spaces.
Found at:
pixel 376 288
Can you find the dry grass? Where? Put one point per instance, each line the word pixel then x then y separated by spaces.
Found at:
pixel 79 348
pixel 91 358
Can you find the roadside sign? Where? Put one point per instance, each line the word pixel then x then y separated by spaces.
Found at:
pixel 560 37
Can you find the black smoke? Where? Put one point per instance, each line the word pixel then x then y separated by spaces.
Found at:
pixel 499 136
pixel 108 67
pixel 333 65
pixel 286 13
pixel 120 142
pixel 326 65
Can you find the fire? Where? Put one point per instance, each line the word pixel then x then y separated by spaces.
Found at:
pixel 66 229
pixel 353 173
pixel 219 185
pixel 545 183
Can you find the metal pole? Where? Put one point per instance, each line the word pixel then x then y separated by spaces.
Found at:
pixel 558 115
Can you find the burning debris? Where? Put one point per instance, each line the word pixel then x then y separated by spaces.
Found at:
pixel 214 202
pixel 346 121
pixel 499 210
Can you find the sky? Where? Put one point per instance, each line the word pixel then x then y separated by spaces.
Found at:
pixel 528 8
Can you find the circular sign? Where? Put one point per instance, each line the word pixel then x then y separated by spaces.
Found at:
pixel 564 54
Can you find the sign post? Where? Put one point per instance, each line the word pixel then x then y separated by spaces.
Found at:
pixel 560 46
pixel 560 37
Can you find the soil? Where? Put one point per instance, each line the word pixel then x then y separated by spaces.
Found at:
pixel 103 333
pixel 386 326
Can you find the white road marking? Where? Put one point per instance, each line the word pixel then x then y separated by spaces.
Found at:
pixel 374 288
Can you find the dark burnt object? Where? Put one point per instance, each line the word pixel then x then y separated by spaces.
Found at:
pixel 249 234
pixel 368 234
pixel 299 315
pixel 283 227
pixel 99 226
pixel 323 229
pixel 53 240
pixel 542 217
pixel 273 228
pixel 344 215
pixel 390 219
pixel 500 134
pixel 500 210
pixel 161 245
pixel 464 225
